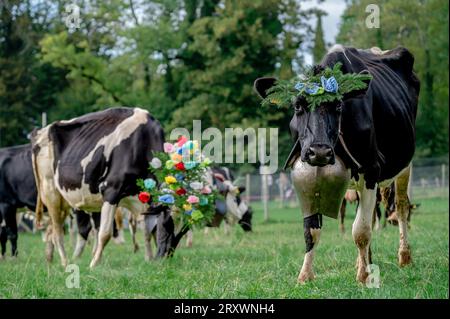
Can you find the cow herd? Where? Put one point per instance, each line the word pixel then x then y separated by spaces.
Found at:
pixel 88 166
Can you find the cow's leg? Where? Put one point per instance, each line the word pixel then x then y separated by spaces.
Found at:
pixel 11 228
pixel 3 236
pixel 189 238
pixel 312 226
pixel 49 246
pixel 342 216
pixel 96 219
pixel 132 225
pixel 402 209
pixel 84 226
pixel 58 235
pixel 118 218
pixel 362 230
pixel 150 222
pixel 105 232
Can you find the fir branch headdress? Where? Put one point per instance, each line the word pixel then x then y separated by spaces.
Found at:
pixel 327 86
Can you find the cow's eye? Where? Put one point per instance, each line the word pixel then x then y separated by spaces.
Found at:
pixel 298 109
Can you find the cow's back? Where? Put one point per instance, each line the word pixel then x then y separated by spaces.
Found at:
pixel 17 185
pixel 101 151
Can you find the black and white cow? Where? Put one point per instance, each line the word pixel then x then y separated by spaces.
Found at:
pixel 17 190
pixel 91 163
pixel 372 131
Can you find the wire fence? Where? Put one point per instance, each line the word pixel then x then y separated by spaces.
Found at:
pixel 429 179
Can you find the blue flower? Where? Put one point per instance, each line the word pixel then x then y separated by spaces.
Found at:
pixel 299 86
pixel 330 84
pixel 203 201
pixel 312 89
pixel 149 183
pixel 188 212
pixel 166 199
pixel 190 165
pixel 179 177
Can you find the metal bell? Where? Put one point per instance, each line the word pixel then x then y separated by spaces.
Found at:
pixel 320 189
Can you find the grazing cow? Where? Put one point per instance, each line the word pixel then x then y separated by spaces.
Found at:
pixel 17 190
pixel 233 209
pixel 372 131
pixel 91 163
pixel 388 200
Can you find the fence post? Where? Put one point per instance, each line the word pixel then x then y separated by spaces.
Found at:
pixel 247 187
pixel 44 119
pixel 443 175
pixel 264 191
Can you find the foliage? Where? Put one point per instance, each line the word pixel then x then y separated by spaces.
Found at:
pixel 422 27
pixel 284 92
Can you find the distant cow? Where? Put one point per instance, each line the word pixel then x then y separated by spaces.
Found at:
pixel 91 163
pixel 17 190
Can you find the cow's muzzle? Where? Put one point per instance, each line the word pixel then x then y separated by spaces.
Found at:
pixel 320 155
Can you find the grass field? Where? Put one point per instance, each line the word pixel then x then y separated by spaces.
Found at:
pixel 263 264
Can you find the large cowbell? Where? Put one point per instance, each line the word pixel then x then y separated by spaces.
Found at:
pixel 320 189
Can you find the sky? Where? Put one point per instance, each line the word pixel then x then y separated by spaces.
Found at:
pixel 330 22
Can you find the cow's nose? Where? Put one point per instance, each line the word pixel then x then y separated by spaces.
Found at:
pixel 320 155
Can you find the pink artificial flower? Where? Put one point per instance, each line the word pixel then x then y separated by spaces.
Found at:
pixel 192 199
pixel 206 190
pixel 168 147
pixel 182 140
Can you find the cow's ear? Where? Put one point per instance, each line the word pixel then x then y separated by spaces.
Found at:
pixel 261 85
pixel 357 93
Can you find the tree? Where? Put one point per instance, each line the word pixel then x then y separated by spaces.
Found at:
pixel 319 49
pixel 422 27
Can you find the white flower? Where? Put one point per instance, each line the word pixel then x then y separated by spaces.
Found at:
pixel 155 163
pixel 196 185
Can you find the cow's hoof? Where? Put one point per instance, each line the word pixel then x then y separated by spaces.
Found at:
pixel 305 276
pixel 362 275
pixel 404 257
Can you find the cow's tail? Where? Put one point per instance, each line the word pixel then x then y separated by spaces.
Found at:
pixel 39 205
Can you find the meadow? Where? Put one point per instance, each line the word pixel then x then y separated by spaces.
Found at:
pixel 263 264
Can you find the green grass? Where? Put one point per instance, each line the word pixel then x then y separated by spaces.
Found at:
pixel 263 264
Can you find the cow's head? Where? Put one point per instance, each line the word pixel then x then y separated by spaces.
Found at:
pixel 232 203
pixel 317 130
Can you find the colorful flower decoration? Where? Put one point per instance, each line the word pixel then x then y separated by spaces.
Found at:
pixel 170 179
pixel 166 199
pixel 330 84
pixel 192 199
pixel 316 88
pixel 144 197
pixel 181 170
pixel 149 183
pixel 168 147
pixel 155 163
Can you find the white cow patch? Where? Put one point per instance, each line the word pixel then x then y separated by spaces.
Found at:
pixel 82 198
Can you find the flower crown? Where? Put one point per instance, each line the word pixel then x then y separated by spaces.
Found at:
pixel 327 86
